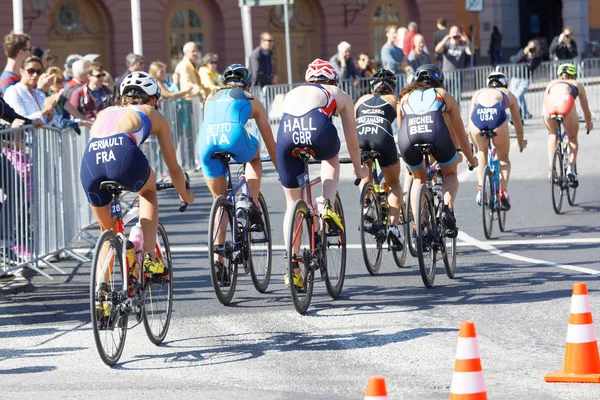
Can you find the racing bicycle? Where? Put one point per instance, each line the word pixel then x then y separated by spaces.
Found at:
pixel 312 244
pixel 431 235
pixel 375 220
pixel 233 241
pixel 119 287
pixel 490 190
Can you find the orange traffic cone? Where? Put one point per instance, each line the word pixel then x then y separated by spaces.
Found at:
pixel 376 389
pixel 582 363
pixel 467 379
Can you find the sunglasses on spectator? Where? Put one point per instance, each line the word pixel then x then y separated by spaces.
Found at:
pixel 32 71
pixel 268 40
pixel 27 49
pixel 58 80
pixel 100 75
pixel 214 62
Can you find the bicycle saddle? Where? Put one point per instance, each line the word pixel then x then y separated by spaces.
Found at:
pixel 303 152
pixel 112 187
pixel 558 117
pixel 425 148
pixel 369 155
pixel 487 133
pixel 222 155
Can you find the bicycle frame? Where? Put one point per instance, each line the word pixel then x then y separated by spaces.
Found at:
pixel 306 190
pixel 564 147
pixel 494 166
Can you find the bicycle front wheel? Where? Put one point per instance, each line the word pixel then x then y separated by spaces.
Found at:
pixel 371 228
pixel 158 296
pixel 488 200
pixel 411 228
pixel 334 254
pixel 571 191
pixel 450 256
pixel 300 255
pixel 425 220
pixel 107 293
pixel 400 256
pixel 260 250
pixel 557 180
pixel 222 252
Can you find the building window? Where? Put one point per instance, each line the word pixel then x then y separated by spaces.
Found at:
pixel 384 15
pixel 186 26
pixel 68 16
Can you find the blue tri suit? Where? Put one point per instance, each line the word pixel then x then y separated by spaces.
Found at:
pixel 222 130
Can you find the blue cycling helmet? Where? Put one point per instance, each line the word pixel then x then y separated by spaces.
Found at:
pixel 237 75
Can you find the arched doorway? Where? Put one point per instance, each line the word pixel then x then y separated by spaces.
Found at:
pixel 384 14
pixel 79 27
pixel 305 36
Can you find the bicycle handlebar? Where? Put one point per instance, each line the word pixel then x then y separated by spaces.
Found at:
pixel 164 186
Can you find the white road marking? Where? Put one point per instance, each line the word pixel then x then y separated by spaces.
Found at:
pixel 467 242
pixel 491 249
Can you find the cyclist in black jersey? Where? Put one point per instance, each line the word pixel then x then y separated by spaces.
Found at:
pixel 424 104
pixel 375 114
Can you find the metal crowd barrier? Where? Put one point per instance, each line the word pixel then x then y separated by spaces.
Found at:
pixel 184 117
pixel 39 179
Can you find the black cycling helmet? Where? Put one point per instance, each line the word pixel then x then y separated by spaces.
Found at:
pixel 498 77
pixel 430 73
pixel 383 77
pixel 236 75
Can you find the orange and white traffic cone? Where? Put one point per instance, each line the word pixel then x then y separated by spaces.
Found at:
pixel 467 379
pixel 376 389
pixel 582 363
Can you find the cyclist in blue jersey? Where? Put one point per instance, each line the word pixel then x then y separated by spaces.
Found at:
pixel 488 112
pixel 113 154
pixel 424 104
pixel 306 122
pixel 226 113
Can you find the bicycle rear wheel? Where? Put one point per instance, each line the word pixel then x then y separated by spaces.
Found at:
pixel 557 180
pixel 571 191
pixel 425 220
pixel 158 296
pixel 400 256
pixel 501 219
pixel 334 254
pixel 488 203
pixel 411 235
pixel 222 253
pixel 260 250
pixel 370 226
pixel 107 293
pixel 299 238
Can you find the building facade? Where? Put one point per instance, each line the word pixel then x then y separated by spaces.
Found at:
pixel 316 26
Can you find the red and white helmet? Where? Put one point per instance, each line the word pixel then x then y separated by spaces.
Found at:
pixel 321 71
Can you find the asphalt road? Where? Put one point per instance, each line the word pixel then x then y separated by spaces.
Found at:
pixel 516 287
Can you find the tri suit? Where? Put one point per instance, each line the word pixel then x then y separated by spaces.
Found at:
pixel 115 156
pixel 306 122
pixel 374 119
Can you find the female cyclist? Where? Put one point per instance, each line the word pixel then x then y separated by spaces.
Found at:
pixel 424 112
pixel 113 154
pixel 488 112
pixel 559 99
pixel 306 122
pixel 375 114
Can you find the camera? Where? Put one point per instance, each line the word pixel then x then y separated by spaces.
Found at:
pixel 456 37
pixel 532 50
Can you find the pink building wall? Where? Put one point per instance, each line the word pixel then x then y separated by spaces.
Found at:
pixel 223 23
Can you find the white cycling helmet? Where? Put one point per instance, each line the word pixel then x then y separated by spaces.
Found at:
pixel 140 80
pixel 321 71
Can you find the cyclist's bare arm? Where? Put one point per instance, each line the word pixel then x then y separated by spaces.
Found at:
pixel 259 114
pixel 345 109
pixel 160 128
pixel 453 112
pixel 587 115
pixel 513 106
pixel 474 102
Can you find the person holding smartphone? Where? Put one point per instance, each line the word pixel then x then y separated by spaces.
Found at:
pixel 563 46
pixel 454 48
